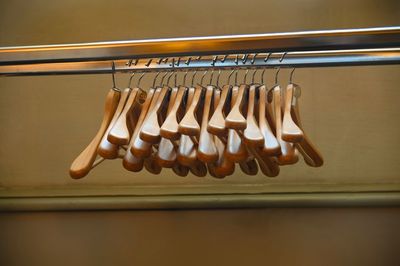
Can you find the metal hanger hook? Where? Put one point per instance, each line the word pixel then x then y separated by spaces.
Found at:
pixel 155 78
pixel 254 74
pixel 130 79
pixel 211 76
pixel 184 78
pixel 291 75
pixel 140 79
pixel 202 77
pixel 194 74
pixel 219 74
pixel 229 77
pixel 279 68
pixel 245 76
pixel 113 74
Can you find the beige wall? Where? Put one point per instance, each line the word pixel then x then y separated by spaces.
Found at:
pixel 350 113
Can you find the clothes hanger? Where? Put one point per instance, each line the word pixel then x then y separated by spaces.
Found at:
pixel 288 154
pixel 223 167
pixel 235 149
pixel 207 151
pixel 85 160
pixel 166 155
pixel 189 125
pixel 187 154
pixel 106 149
pixel 252 134
pixel 235 118
pixel 216 125
pixel 139 147
pixel 271 146
pixel 120 132
pixel 130 161
pixel 290 131
pixel 310 153
pixel 150 131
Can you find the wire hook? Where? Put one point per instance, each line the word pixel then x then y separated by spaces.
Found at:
pixel 201 81
pixel 219 74
pixel 113 74
pixel 291 75
pixel 130 79
pixel 194 74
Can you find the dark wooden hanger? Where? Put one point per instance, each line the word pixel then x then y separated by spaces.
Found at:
pixel 84 162
pixel 106 149
pixel 290 131
pixel 288 154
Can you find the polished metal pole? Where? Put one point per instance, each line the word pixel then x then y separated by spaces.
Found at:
pixel 384 37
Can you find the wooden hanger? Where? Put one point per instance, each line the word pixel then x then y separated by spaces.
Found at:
pixel 266 163
pixel 311 155
pixel 271 146
pixel 198 169
pixel 169 128
pixel 288 154
pixel 166 155
pixel 151 165
pixel 290 131
pixel 150 131
pixel 106 149
pixel 252 134
pixel 235 148
pixel 216 125
pixel 189 125
pixel 139 147
pixel 187 154
pixel 120 133
pixel 83 163
pixel 235 118
pixel 180 170
pixel 249 167
pixel 206 151
pixel 130 161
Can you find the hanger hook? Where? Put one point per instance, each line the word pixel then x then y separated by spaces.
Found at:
pixel 279 68
pixel 130 79
pixel 202 77
pixel 155 78
pixel 229 77
pixel 219 74
pixel 168 79
pixel 253 77
pixel 236 75
pixel 253 59
pixel 194 74
pixel 184 78
pixel 113 74
pixel 211 76
pixel 245 76
pixel 140 79
pixel 291 75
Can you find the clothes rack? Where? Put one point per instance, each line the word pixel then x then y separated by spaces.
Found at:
pixel 349 47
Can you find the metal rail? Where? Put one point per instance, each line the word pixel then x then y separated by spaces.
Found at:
pixel 371 46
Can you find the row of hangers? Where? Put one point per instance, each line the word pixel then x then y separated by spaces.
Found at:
pixel 201 129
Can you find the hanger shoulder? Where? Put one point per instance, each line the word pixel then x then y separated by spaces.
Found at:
pixel 150 131
pixel 271 145
pixel 169 128
pixel 119 134
pixel 106 149
pixel 83 163
pixel 206 151
pixel 189 125
pixel 216 125
pixel 235 118
pixel 252 133
pixel 288 153
pixel 290 131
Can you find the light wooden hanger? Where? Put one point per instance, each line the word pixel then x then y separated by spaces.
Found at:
pixel 189 125
pixel 252 134
pixel 106 149
pixel 288 154
pixel 311 155
pixel 84 162
pixel 130 161
pixel 120 132
pixel 166 155
pixel 216 125
pixel 290 131
pixel 235 148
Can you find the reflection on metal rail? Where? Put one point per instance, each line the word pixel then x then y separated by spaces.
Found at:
pixel 291 59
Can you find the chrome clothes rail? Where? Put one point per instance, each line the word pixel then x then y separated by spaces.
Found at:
pixel 371 46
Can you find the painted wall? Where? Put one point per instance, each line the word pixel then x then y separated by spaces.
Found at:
pixel 46 121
